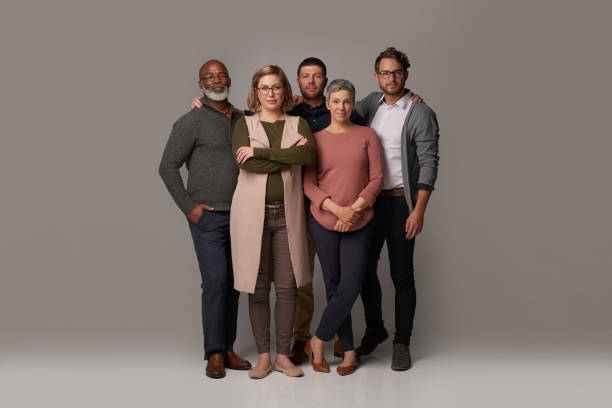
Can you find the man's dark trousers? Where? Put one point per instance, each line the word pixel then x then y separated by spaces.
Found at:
pixel 390 215
pixel 219 299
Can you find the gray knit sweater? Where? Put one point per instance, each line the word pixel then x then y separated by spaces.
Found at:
pixel 202 139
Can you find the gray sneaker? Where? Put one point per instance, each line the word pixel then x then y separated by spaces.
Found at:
pixel 401 357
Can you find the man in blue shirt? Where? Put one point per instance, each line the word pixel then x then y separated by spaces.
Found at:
pixel 312 79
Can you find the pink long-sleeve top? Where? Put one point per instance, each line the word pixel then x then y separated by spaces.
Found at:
pixel 347 165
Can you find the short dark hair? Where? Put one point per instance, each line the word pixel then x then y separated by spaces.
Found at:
pixel 312 61
pixel 392 52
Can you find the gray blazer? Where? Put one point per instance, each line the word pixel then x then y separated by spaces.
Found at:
pixel 419 144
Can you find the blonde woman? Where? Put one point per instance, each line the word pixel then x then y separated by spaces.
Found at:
pixel 268 225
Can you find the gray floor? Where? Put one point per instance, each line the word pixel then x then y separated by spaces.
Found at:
pixel 487 377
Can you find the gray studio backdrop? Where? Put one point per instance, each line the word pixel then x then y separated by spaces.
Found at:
pixel 516 245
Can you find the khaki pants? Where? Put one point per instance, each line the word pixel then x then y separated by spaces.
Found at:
pixel 304 306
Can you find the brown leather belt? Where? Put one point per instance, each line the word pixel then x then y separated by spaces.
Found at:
pixel 274 204
pixel 392 192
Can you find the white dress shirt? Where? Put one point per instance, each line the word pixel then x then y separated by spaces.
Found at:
pixel 388 123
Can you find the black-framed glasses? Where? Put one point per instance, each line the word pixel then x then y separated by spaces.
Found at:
pixel 209 77
pixel 274 88
pixel 398 73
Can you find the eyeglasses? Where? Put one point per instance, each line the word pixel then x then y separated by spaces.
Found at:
pixel 209 77
pixel 266 89
pixel 398 73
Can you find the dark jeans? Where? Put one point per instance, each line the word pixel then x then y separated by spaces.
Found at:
pixel 343 257
pixel 219 299
pixel 390 214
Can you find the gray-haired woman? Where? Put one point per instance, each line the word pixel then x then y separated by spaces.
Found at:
pixel 342 184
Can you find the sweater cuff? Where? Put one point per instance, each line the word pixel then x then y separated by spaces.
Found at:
pixel 317 197
pixel 421 186
pixel 187 206
pixel 261 153
pixel 369 198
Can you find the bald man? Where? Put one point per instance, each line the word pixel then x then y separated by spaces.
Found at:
pixel 202 139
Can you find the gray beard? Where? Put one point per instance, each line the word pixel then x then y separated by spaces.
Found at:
pixel 217 96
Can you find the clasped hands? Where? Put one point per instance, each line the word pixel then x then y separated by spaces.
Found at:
pixel 347 216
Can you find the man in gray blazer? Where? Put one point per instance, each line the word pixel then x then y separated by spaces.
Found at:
pixel 409 135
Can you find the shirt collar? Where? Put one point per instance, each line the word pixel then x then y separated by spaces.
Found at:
pixel 305 105
pixel 228 112
pixel 402 102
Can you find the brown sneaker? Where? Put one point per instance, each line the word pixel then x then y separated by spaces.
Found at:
pixel 235 362
pixel 298 355
pixel 214 367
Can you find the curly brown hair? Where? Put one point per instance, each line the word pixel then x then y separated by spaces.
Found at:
pixel 392 52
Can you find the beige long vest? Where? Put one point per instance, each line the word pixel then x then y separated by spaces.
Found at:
pixel 248 208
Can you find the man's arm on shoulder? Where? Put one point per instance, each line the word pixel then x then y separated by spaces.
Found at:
pixel 197 103
pixel 366 108
pixel 357 119
pixel 360 107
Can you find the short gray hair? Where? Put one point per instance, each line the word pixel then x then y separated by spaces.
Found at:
pixel 340 85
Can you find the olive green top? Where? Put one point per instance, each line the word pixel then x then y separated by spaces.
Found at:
pixel 274 159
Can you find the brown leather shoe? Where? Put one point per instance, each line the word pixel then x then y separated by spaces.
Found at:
pixel 235 362
pixel 338 352
pixel 320 367
pixel 215 368
pixel 346 370
pixel 298 355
